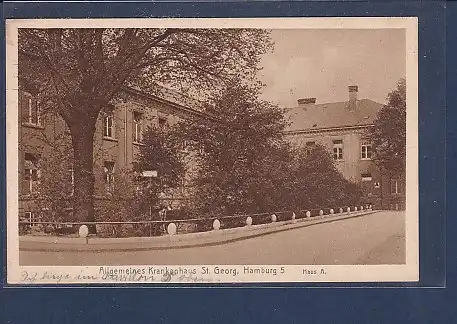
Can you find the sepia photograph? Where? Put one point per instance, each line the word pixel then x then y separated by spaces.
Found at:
pixel 212 150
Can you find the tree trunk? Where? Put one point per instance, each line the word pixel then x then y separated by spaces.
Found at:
pixel 84 180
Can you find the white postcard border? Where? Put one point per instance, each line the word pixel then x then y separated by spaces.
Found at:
pixel 292 273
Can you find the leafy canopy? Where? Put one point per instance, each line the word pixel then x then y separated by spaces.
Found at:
pixel 228 153
pixel 389 133
pixel 246 165
pixel 162 152
pixel 80 70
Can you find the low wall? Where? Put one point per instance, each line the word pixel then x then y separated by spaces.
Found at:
pixel 214 237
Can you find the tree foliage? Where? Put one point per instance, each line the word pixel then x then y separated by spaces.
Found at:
pixel 389 133
pixel 314 181
pixel 229 152
pixel 78 72
pixel 52 191
pixel 246 165
pixel 130 199
pixel 162 152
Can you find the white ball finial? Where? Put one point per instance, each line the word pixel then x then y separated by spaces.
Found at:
pixel 216 224
pixel 249 221
pixel 171 229
pixel 83 231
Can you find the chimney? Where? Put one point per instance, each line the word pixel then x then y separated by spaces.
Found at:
pixel 353 92
pixel 306 101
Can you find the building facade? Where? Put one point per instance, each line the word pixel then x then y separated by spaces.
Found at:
pixel 45 143
pixel 342 127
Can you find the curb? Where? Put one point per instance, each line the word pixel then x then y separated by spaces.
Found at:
pixel 180 241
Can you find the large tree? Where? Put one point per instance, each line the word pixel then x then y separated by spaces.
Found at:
pixel 162 152
pixel 247 165
pixel 313 181
pixel 389 132
pixel 78 72
pixel 235 152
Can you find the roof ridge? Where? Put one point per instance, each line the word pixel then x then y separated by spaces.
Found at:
pixel 331 103
pixel 332 114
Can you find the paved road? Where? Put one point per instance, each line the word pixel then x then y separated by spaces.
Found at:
pixel 377 238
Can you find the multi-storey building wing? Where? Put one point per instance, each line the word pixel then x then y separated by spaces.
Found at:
pixel 342 127
pixel 44 139
pixel 45 143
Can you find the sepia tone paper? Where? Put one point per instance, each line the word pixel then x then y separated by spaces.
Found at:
pixel 215 272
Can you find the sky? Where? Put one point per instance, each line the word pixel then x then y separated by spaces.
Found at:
pixel 322 63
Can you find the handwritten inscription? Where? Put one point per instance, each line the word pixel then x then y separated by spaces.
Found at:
pixel 166 274
pixel 33 277
pixel 111 274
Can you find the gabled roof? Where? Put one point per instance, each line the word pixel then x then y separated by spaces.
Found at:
pixel 332 115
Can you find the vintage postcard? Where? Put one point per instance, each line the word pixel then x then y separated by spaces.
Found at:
pixel 272 150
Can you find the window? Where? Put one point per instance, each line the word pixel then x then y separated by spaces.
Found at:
pixel 365 149
pixel 310 143
pixel 162 122
pixel 30 218
pixel 109 175
pixel 337 149
pixel 395 186
pixel 108 125
pixel 31 173
pixel 366 177
pixel 31 111
pixel 137 127
pixel 71 180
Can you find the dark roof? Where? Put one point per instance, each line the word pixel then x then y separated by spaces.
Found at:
pixel 332 115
